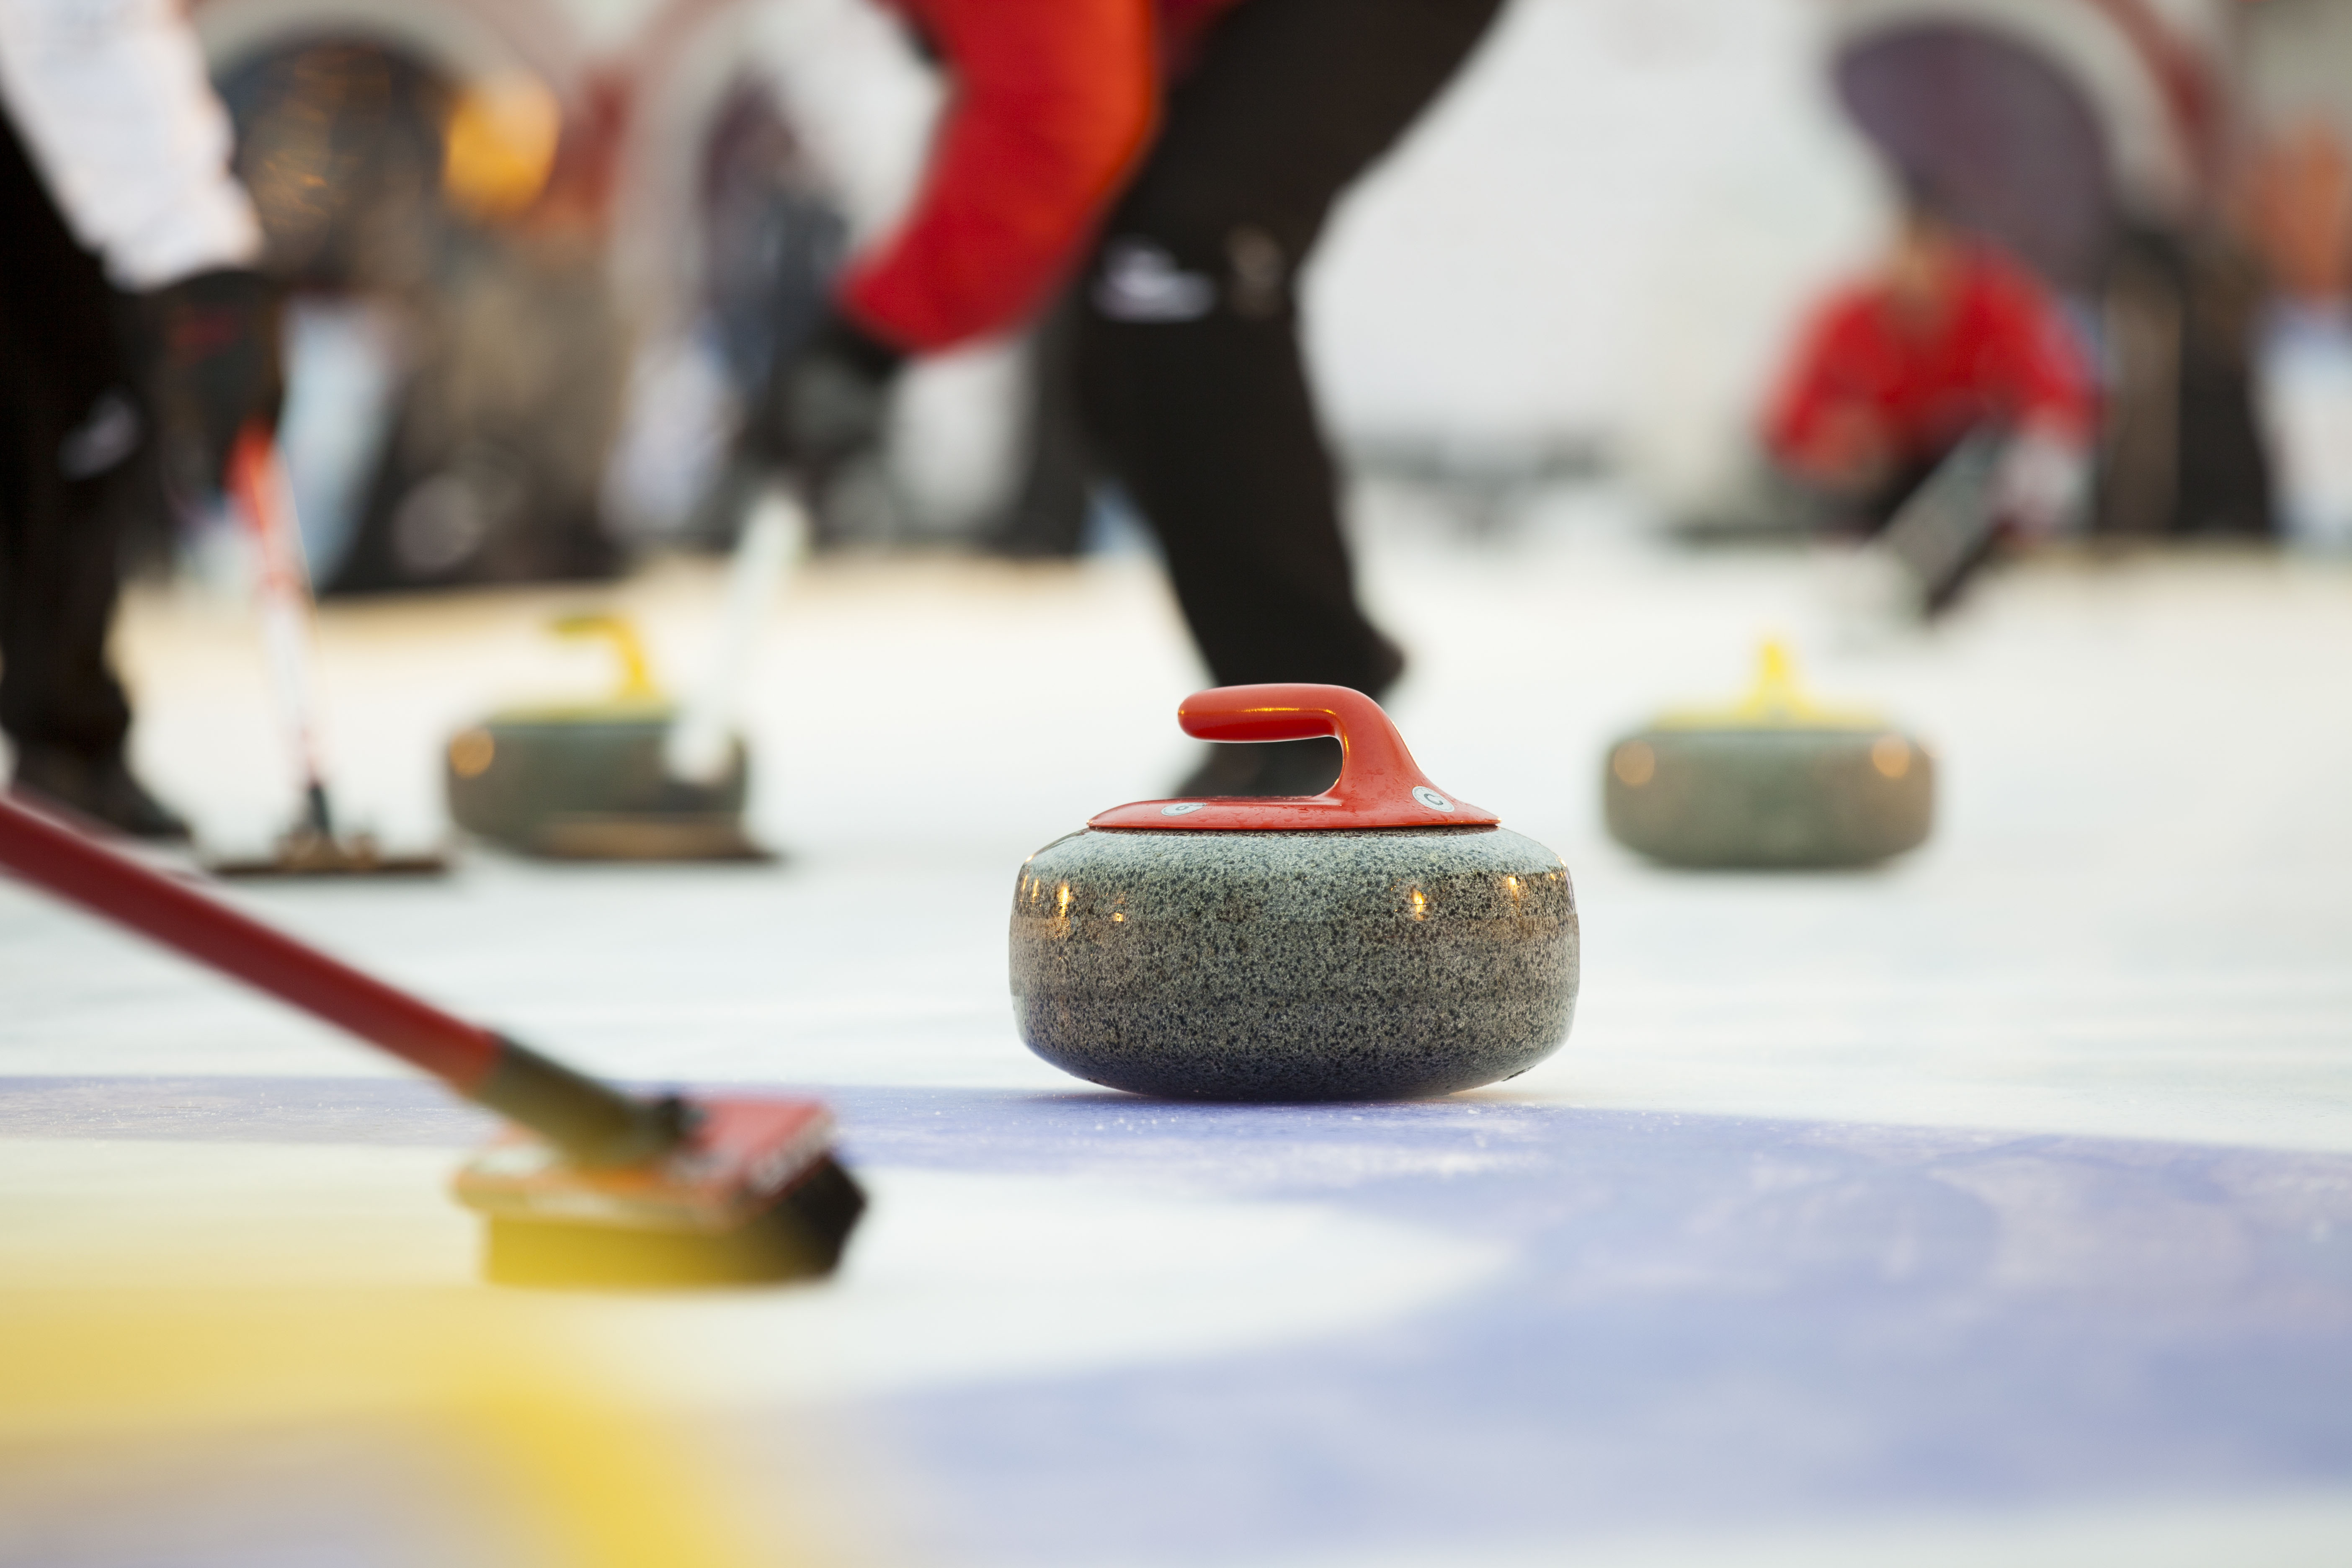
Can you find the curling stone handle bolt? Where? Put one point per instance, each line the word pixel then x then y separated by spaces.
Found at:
pixel 593 1123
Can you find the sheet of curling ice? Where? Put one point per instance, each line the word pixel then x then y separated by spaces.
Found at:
pixel 697 748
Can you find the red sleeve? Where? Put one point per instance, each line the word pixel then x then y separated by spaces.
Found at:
pixel 2042 375
pixel 1822 376
pixel 1053 100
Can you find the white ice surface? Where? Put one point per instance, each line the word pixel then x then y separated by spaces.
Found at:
pixel 2134 918
pixel 2301 1531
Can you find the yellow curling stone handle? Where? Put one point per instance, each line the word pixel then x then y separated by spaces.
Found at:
pixel 635 700
pixel 635 697
pixel 636 674
pixel 1777 702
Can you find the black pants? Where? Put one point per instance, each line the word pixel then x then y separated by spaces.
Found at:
pixel 69 438
pixel 1046 518
pixel 1194 387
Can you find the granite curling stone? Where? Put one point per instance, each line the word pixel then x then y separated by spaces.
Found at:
pixel 1382 941
pixel 1773 781
pixel 589 781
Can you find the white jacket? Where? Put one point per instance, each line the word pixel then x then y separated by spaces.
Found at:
pixel 114 108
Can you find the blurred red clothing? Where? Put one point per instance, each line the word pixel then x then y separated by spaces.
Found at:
pixel 1053 102
pixel 1891 383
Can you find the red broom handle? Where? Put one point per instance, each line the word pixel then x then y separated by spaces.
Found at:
pixel 181 917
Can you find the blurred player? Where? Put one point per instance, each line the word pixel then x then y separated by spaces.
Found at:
pixel 1948 339
pixel 1192 149
pixel 122 229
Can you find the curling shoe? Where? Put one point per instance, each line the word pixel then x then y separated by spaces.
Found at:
pixel 101 788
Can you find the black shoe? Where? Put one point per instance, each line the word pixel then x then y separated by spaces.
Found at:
pixel 1265 768
pixel 101 788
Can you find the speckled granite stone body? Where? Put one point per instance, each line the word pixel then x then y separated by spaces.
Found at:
pixel 1789 798
pixel 1316 965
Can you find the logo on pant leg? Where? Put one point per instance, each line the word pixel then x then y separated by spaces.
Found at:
pixel 105 437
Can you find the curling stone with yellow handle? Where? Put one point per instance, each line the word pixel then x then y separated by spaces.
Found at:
pixel 1772 781
pixel 588 781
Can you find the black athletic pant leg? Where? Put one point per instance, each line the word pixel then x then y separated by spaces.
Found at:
pixel 68 427
pixel 1047 519
pixel 1195 389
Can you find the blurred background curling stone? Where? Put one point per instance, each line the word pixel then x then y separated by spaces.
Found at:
pixel 634 778
pixel 1381 941
pixel 1774 780
pixel 586 781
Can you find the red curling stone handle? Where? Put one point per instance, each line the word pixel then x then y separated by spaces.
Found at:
pixel 595 1124
pixel 1379 786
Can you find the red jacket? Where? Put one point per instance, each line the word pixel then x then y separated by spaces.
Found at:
pixel 1054 101
pixel 2000 352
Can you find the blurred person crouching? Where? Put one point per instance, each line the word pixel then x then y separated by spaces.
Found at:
pixel 1188 154
pixel 135 342
pixel 1946 340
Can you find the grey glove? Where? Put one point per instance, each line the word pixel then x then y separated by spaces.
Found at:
pixel 218 369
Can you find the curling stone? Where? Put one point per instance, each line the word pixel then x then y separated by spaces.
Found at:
pixel 590 781
pixel 1774 780
pixel 1381 941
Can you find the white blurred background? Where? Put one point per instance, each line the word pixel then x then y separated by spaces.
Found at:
pixel 1588 260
